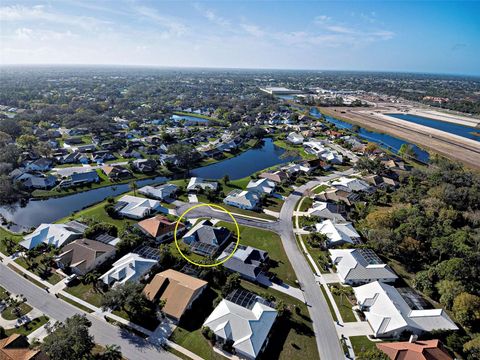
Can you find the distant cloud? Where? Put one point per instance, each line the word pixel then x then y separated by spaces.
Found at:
pixel 172 26
pixel 212 16
pixel 253 30
pixel 320 19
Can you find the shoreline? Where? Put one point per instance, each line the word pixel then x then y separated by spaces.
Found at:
pixel 451 146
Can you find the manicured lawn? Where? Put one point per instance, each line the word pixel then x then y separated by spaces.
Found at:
pixel 233 209
pixel 345 308
pixel 291 338
pixel 51 276
pixel 320 188
pixel 29 327
pixel 306 204
pixel 330 306
pixel 297 148
pixel 9 313
pixel 274 204
pixel 74 303
pixel 320 257
pixel 86 292
pixel 3 294
pixel 29 278
pixel 5 234
pixel 268 241
pixel 361 344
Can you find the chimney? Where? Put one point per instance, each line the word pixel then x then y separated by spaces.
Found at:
pixel 413 338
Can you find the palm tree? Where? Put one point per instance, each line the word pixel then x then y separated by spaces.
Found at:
pixel 134 187
pixel 112 352
pixel 91 278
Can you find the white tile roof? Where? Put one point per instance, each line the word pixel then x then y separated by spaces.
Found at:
pixel 388 312
pixel 261 185
pixel 50 234
pixel 350 184
pixel 138 207
pixel 131 267
pixel 247 328
pixel 352 266
pixel 338 233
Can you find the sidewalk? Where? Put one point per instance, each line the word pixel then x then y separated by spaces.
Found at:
pixel 283 288
pixel 41 332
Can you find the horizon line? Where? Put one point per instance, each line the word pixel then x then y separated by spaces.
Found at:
pixel 235 68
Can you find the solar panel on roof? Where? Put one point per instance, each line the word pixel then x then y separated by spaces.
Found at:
pixel 105 238
pixel 148 252
pixel 414 300
pixel 245 298
pixel 370 256
pixel 203 248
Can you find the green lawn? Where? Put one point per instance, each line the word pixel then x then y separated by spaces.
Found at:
pixel 85 292
pixel 291 338
pixel 306 204
pixel 274 204
pixel 320 188
pixel 3 294
pixel 361 344
pixel 5 234
pixel 345 308
pixel 51 276
pixel 29 278
pixel 268 241
pixel 74 303
pixel 233 209
pixel 29 327
pixel 9 314
pixel 330 306
pixel 297 148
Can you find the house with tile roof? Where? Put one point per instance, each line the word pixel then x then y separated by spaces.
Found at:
pixel 415 350
pixel 135 207
pixel 131 267
pixel 326 210
pixel 205 238
pixel 177 289
pixel 246 327
pixel 159 227
pixel 391 312
pixel 56 235
pixel 261 186
pixel 84 255
pixel 338 233
pixel 360 266
pixel 16 347
pixel 247 200
pixel 161 192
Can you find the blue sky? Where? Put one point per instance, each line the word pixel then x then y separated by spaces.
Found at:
pixel 421 36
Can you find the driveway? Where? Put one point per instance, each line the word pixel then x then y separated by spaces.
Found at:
pixel 133 347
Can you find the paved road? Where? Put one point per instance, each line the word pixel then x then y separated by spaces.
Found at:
pixel 323 324
pixel 133 347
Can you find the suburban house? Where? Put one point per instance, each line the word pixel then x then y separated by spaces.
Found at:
pixel 84 255
pixel 56 235
pixel 338 234
pixel 135 207
pixel 205 239
pixel 16 347
pixel 177 289
pixel 159 227
pixel 261 186
pixel 247 260
pixel 81 178
pixel 391 312
pixel 278 176
pixel 242 199
pixel 351 184
pixel 41 164
pixel 32 181
pixel 382 182
pixel 145 165
pixel 337 195
pixel 360 266
pixel 131 267
pixel 116 172
pixel 415 350
pixel 295 138
pixel 245 324
pixel 161 192
pixel 326 210
pixel 197 183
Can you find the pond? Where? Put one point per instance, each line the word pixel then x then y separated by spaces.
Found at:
pixel 386 141
pixel 189 120
pixel 468 132
pixel 45 211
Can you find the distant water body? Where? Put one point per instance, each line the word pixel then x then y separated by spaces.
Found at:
pixel 468 132
pixel 389 142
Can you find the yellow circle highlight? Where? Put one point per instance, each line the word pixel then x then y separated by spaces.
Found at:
pixel 186 257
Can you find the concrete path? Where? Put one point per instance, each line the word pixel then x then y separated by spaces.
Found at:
pixel 40 333
pixel 356 328
pixel 331 278
pixel 11 324
pixel 283 288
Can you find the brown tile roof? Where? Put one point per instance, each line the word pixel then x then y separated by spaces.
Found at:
pixel 277 176
pixel 158 225
pixel 176 288
pixel 15 347
pixel 82 253
pixel 418 350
